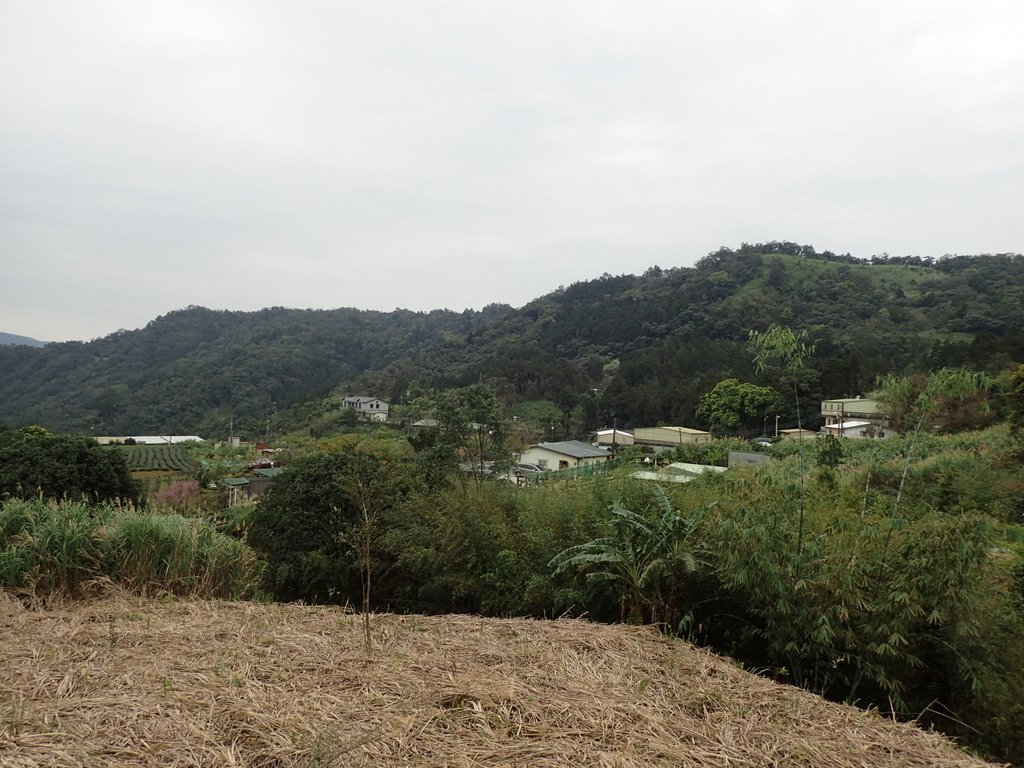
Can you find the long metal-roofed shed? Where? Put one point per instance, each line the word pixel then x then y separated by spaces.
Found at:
pixel 613 437
pixel 670 436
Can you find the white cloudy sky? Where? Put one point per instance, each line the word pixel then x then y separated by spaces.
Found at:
pixel 454 153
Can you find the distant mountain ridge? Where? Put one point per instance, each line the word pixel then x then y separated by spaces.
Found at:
pixel 12 339
pixel 639 349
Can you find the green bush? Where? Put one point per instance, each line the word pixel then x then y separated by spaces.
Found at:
pixel 37 464
pixel 313 522
pixel 55 548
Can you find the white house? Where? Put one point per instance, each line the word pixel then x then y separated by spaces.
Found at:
pixel 563 455
pixel 369 408
pixel 851 417
pixel 854 428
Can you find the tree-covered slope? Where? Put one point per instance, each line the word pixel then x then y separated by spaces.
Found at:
pixel 637 348
pixel 651 344
pixel 193 370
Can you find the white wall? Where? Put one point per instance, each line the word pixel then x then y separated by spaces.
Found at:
pixel 550 460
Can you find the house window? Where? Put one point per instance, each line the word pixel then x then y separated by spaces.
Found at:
pixel 563 464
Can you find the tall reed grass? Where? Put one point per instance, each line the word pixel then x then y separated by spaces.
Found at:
pixel 58 548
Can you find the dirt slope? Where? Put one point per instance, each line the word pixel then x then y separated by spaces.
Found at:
pixel 127 682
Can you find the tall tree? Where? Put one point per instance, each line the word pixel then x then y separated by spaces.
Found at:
pixel 473 424
pixel 34 462
pixel 735 405
pixel 1016 399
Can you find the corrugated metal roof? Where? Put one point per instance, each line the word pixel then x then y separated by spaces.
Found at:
pixel 682 467
pixel 848 424
pixel 574 448
pixel 854 405
pixel 662 477
pixel 678 430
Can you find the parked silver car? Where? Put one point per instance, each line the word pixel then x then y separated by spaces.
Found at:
pixel 521 470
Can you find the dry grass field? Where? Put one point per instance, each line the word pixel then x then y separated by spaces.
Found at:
pixel 124 681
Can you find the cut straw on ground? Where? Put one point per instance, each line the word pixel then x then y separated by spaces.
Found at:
pixel 123 681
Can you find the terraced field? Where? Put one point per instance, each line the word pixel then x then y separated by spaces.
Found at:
pixel 158 458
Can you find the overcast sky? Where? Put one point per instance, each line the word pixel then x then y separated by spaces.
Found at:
pixel 457 153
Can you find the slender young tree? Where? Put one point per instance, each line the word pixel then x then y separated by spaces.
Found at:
pixel 472 423
pixel 790 349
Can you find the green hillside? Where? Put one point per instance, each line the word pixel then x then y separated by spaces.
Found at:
pixel 635 348
pixel 652 344
pixel 194 370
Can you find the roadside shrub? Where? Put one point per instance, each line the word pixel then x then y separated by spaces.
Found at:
pixel 233 521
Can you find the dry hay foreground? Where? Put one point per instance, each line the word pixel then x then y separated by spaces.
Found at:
pixel 121 681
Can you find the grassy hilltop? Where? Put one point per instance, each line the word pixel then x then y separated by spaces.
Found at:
pixel 122 681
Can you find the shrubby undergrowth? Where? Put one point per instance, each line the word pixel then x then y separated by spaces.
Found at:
pixel 52 549
pixel 886 582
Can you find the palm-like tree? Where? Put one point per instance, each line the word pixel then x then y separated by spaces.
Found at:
pixel 643 549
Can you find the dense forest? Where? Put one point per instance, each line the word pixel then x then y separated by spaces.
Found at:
pixel 194 370
pixel 639 349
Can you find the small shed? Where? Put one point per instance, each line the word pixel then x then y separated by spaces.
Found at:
pixel 746 459
pixel 242 489
pixel 798 434
pixel 238 490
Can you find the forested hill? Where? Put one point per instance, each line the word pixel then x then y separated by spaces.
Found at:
pixel 192 371
pixel 641 349
pixel 652 344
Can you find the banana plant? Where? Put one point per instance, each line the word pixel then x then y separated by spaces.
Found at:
pixel 644 549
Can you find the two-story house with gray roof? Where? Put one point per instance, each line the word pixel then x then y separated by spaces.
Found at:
pixel 369 408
